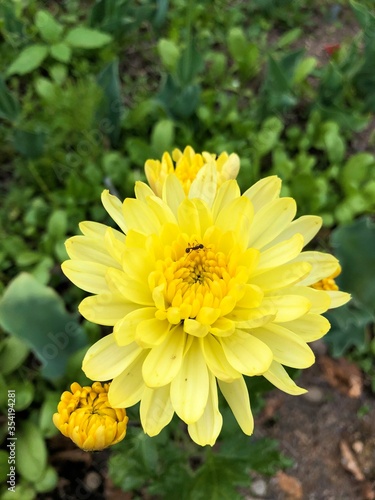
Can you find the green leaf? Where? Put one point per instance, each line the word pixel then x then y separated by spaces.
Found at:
pixel 4 466
pixel 29 143
pixel 25 392
pixel 36 314
pixel 28 60
pixel 48 481
pixel 87 38
pixel 304 69
pixel 169 53
pixel 31 456
pixel 189 65
pixel 348 328
pixel 48 408
pixel 111 108
pixel 50 30
pixel 289 37
pixel 13 353
pixel 9 106
pixel 354 246
pixel 57 224
pixel 217 479
pixel 162 137
pixel 61 52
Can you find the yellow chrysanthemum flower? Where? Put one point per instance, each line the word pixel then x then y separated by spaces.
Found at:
pixel 199 295
pixel 190 169
pixel 86 417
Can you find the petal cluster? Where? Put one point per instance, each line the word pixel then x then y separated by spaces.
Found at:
pixel 86 417
pixel 191 168
pixel 201 291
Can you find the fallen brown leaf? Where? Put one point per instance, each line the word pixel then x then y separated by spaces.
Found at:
pixel 343 375
pixel 290 485
pixel 349 461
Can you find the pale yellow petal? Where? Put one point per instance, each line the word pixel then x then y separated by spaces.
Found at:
pixel 90 276
pixel 338 298
pixel 161 210
pixel 264 191
pixel 277 375
pixel 190 386
pixel 106 309
pixel 125 329
pixel 307 225
pixel 97 230
pixel 114 208
pixel 230 167
pixel 140 217
pixel 173 193
pixel 152 332
pixel 319 299
pixel 195 328
pixel 105 359
pixel 282 276
pixel 310 327
pixel 322 266
pixel 156 409
pixel 205 184
pixel 127 388
pixel 237 397
pixel 216 359
pixel 287 347
pixel 90 249
pixel 206 430
pixel 281 253
pixel 132 290
pixel 237 216
pixel 246 354
pixel 287 307
pixel 223 327
pixel 113 244
pixel 164 361
pixel 226 193
pixel 142 191
pixel 188 218
pixel 271 220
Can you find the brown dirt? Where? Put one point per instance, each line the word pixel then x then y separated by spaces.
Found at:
pixel 332 445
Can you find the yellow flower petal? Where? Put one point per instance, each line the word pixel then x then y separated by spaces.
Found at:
pixel 307 225
pixel 105 360
pixel 277 375
pixel 309 327
pixel 282 276
pixel 246 353
pixel 319 300
pixel 98 231
pixel 263 192
pixel 140 217
pixel 338 298
pixel 125 330
pixel 90 276
pixel 152 332
pixel 322 266
pixel 216 360
pixel 227 192
pixel 164 361
pixel 90 249
pixel 270 221
pixel 127 388
pixel 114 207
pixel 106 309
pixel 287 347
pixel 281 253
pixel 156 409
pixel 287 307
pixel 207 428
pixel 237 216
pixel 237 397
pixel 205 183
pixel 190 387
pixel 130 289
pixel 173 193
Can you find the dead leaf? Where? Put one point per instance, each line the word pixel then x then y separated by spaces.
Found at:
pixel 368 491
pixel 343 375
pixel 290 485
pixel 349 461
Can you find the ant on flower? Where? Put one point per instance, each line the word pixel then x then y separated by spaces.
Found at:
pixel 200 246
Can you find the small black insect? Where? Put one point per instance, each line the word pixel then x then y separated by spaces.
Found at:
pixel 195 247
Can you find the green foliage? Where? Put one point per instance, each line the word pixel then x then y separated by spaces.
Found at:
pixel 36 314
pixel 156 466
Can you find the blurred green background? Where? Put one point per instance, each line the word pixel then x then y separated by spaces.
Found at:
pixel 88 92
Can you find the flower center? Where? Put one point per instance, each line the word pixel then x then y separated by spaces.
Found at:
pixel 196 281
